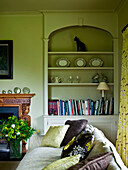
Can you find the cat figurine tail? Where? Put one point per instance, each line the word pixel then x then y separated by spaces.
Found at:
pixel 80 44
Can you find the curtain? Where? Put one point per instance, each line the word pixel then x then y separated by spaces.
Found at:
pixel 122 133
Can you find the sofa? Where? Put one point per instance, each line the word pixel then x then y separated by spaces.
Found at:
pixel 38 157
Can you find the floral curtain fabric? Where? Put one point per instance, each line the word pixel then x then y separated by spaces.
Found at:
pixel 122 134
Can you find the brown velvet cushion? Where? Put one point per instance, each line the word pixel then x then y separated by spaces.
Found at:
pixel 96 162
pixel 76 126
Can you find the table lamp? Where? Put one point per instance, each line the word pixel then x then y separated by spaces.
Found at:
pixel 102 86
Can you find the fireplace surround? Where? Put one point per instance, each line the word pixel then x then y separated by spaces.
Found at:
pixel 21 103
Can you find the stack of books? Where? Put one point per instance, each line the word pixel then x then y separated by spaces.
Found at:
pixel 80 107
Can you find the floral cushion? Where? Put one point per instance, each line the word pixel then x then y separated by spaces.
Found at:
pixel 80 144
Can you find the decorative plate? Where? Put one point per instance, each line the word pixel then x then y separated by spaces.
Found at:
pixel 96 62
pixel 17 90
pixel 80 62
pixel 9 91
pixel 26 90
pixel 63 62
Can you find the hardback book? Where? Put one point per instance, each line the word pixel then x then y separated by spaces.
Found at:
pixel 61 107
pixel 67 108
pixel 82 107
pixel 78 108
pixel 86 107
pixel 92 107
pixel 99 107
pixel 58 107
pixel 52 107
pixel 71 106
pixel 96 107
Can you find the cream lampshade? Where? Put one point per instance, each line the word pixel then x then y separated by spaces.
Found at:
pixel 103 86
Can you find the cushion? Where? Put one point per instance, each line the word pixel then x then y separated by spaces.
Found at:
pixel 76 126
pixel 63 164
pixel 80 144
pixel 54 136
pixel 97 162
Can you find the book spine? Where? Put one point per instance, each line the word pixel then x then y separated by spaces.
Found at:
pixel 71 106
pixel 88 107
pixel 92 107
pixel 76 109
pixel 58 107
pixel 80 107
pixel 61 107
pixel 84 112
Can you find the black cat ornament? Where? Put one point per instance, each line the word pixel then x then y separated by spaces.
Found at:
pixel 80 45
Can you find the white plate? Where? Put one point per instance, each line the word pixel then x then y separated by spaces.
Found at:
pixel 26 90
pixel 17 90
pixel 80 62
pixel 96 62
pixel 63 62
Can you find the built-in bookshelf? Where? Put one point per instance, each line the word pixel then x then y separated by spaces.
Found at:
pixel 85 88
pixel 99 33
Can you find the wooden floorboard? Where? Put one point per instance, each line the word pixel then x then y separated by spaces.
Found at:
pixel 9 165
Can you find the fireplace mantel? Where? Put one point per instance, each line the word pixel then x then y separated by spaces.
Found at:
pixel 22 101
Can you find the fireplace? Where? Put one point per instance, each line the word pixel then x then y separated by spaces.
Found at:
pixel 5 112
pixel 17 105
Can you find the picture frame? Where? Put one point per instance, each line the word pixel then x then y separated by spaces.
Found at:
pixel 6 59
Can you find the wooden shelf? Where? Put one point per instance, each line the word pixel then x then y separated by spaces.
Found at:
pixel 80 68
pixel 81 53
pixel 76 84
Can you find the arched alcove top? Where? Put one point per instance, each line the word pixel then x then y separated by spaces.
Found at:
pixel 56 20
pixel 95 39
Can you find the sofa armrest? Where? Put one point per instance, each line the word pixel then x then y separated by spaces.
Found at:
pixel 101 145
pixel 34 141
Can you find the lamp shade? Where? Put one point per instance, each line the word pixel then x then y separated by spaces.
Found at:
pixel 102 86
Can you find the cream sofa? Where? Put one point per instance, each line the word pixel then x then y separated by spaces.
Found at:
pixel 38 157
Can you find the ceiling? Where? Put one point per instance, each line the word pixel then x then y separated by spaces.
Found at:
pixel 10 6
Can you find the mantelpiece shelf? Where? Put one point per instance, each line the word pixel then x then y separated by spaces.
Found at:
pixel 81 53
pixel 80 68
pixel 77 84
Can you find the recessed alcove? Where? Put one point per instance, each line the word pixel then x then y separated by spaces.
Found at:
pixel 93 37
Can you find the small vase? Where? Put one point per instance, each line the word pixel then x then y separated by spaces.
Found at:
pixel 15 149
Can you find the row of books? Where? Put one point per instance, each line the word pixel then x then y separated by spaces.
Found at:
pixel 80 107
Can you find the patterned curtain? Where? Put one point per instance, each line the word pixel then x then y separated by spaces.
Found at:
pixel 122 134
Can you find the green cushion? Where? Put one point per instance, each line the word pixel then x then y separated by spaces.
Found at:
pixel 54 136
pixel 63 164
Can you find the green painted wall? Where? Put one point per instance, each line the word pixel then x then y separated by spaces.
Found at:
pixel 26 33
